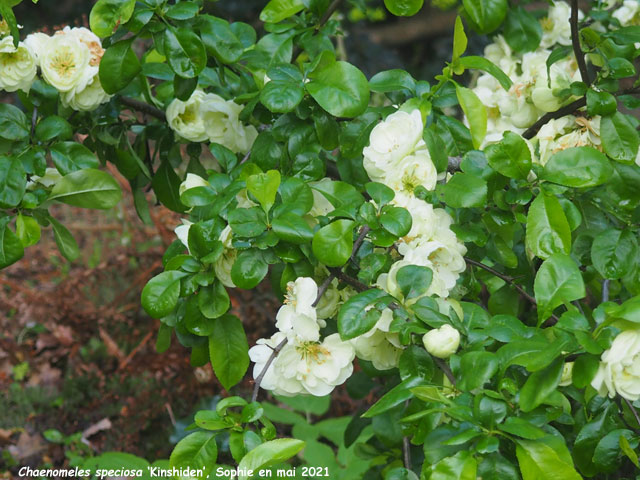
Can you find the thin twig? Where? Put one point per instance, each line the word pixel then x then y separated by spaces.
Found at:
pixel 511 282
pixel 356 245
pixel 354 282
pixel 547 117
pixel 406 449
pixel 260 377
pixel 323 288
pixel 633 410
pixel 34 119
pixel 327 15
pixel 442 365
pixel 605 290
pixel 143 107
pixel 575 40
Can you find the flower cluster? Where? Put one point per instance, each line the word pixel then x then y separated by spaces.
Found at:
pixel 305 365
pixel 209 117
pixel 68 60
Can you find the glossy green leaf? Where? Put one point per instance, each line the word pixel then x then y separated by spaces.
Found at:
pixel 511 157
pixel 11 248
pixel 540 385
pixel 341 89
pixel 249 269
pixel 475 112
pixel 332 244
pixel 197 450
pixel 548 230
pixel 522 30
pixel 404 8
pixel 539 460
pixel 278 10
pixel 292 228
pixel 396 220
pixel 392 80
pixel 558 281
pixel 13 123
pixel 53 127
pixel 71 156
pixel 185 52
pixel 413 280
pixel 160 294
pixel 477 368
pixel 578 167
pixel 64 240
pixel 213 300
pixel 87 188
pixel 485 15
pixel 269 453
pixel 219 39
pixel 106 15
pixel 612 251
pixel 465 190
pixel 228 349
pixel 27 230
pixel 397 395
pixel 13 181
pixel 353 319
pixel 264 186
pixel 118 67
pixel 620 139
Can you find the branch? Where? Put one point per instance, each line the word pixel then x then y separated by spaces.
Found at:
pixel 143 107
pixel 575 40
pixel 406 449
pixel 605 292
pixel 327 15
pixel 547 117
pixel 511 282
pixel 633 410
pixel 442 365
pixel 260 377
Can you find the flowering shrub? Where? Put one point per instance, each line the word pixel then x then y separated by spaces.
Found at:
pixel 475 268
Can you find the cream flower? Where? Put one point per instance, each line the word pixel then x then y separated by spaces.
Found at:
pixel 391 141
pixel 37 42
pixel 378 345
pixel 567 374
pixel 65 63
pixel 50 177
pixel 303 367
pixel 442 342
pixel 556 28
pixel 192 181
pixel 185 118
pixel 297 317
pixel 88 99
pixel 17 66
pixel 413 171
pixel 182 232
pixel 223 265
pixel 619 371
pixel 627 14
pixel 423 220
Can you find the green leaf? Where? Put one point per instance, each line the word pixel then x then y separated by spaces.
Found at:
pixel 332 244
pixel 397 395
pixel 416 362
pixel 341 89
pixel 64 240
pixel 404 8
pixel 87 188
pixel 27 230
pixel 459 40
pixel 625 447
pixel 11 248
pixel 13 181
pixel 106 15
pixel 548 230
pixel 558 281
pixel 620 139
pixel 118 67
pixel 578 167
pixel 396 220
pixel 219 39
pixel 481 63
pixel 249 269
pixel 522 31
pixel 269 453
pixel 477 368
pixel 540 460
pixel 278 10
pixel 13 123
pixel 8 16
pixel 281 97
pixel 264 186
pixel 461 466
pixel 197 450
pixel 391 81
pixel 353 320
pixel 228 349
pixel 182 11
pixel 612 252
pixel 185 52
pixel 166 186
pixel 160 294
pixel 213 300
pixel 485 15
pixel 476 114
pixel 465 190
pixel 53 127
pixel 584 369
pixel 511 157
pixel 414 280
pixel 521 428
pixel 601 103
pixel 292 228
pixel 379 193
pixel 71 156
pixel 247 222
pixel 540 385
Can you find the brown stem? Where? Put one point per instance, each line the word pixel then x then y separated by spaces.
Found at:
pixel 575 41
pixel 406 449
pixel 633 410
pixel 143 107
pixel 547 117
pixel 327 15
pixel 442 365
pixel 511 282
pixel 605 290
pixel 260 377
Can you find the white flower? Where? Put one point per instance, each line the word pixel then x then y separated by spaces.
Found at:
pixel 223 265
pixel 185 117
pixel 304 367
pixel 207 116
pixel 413 171
pixel 297 317
pixel 65 63
pixel 88 38
pixel 17 66
pixel 567 374
pixel 619 370
pixel 88 99
pixel 192 181
pixel 423 220
pixel 37 42
pixel 442 342
pixel 378 345
pixel 391 141
pixel 182 232
pixel 627 14
pixel 568 132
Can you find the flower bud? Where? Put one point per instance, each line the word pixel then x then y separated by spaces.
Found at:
pixel 192 181
pixel 567 374
pixel 442 342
